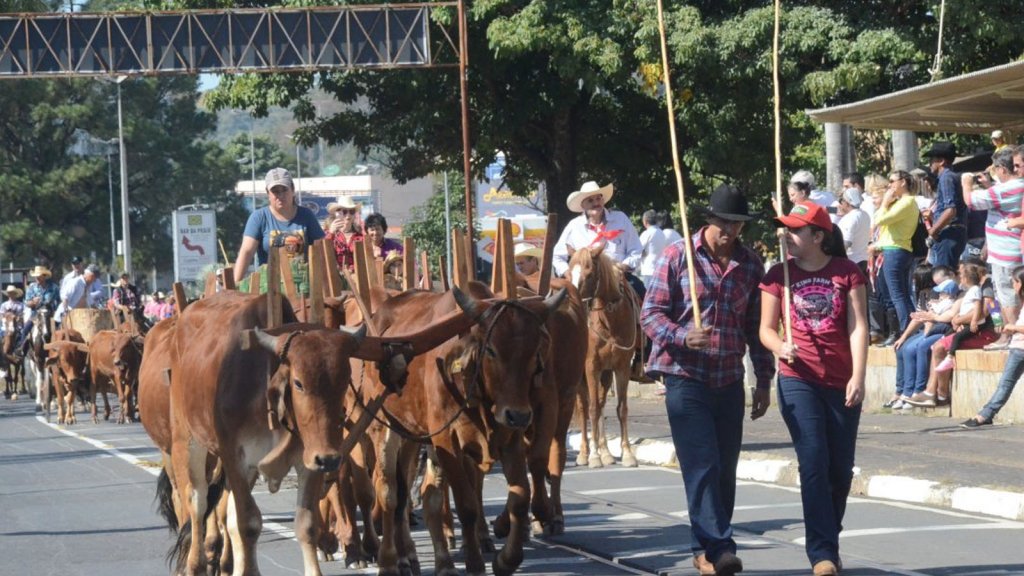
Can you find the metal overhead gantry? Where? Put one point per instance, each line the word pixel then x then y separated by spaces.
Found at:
pixel 376 37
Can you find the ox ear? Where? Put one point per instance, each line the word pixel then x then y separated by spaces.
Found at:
pixel 139 340
pixel 471 306
pixel 277 388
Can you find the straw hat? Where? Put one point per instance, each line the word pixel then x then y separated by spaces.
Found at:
pixel 391 258
pixel 525 250
pixel 40 271
pixel 13 291
pixel 575 200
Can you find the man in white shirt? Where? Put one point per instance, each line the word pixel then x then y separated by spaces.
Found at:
pixel 822 198
pixel 66 284
pixel 598 225
pixel 856 226
pixel 653 241
pixel 87 291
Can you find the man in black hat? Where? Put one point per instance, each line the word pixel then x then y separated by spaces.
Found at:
pixel 949 225
pixel 703 370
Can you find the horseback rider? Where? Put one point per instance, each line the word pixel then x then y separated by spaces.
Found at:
pixel 43 293
pixel 598 225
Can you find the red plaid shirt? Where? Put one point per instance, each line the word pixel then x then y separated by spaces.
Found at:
pixel 344 251
pixel 730 303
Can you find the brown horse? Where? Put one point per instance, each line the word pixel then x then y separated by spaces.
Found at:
pixel 9 360
pixel 614 332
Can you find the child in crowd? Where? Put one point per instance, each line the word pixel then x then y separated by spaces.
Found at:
pixel 971 331
pixel 1014 364
pixel 913 349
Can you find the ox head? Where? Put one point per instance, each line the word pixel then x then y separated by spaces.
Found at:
pixel 305 394
pixel 503 359
pixel 127 355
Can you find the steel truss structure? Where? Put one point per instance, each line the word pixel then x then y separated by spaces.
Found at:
pixel 229 41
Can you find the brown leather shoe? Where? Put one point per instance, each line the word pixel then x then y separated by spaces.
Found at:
pixel 704 568
pixel 826 568
pixel 728 564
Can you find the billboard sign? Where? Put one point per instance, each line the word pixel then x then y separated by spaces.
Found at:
pixel 195 243
pixel 494 199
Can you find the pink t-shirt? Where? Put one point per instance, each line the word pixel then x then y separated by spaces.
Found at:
pixel 819 317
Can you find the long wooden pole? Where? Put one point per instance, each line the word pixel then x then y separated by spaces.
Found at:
pixel 787 322
pixel 464 98
pixel 692 275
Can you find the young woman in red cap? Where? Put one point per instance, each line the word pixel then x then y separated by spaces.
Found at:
pixel 821 376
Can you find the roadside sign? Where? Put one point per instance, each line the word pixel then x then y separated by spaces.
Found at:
pixel 195 243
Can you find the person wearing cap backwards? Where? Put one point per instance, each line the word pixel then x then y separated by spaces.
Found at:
pixel 599 226
pixel 949 218
pixel 703 370
pixel 821 375
pixel 280 223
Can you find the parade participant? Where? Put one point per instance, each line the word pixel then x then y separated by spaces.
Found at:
pixel 343 230
pixel 597 225
pixel 77 269
pixel 527 258
pixel 374 228
pixel 126 299
pixel 653 241
pixel 43 293
pixel 13 304
pixel 281 223
pixel 821 376
pixel 87 290
pixel 703 370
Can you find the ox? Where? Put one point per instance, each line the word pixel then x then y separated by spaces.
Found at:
pixel 497 364
pixel 114 359
pixel 613 319
pixel 224 404
pixel 67 359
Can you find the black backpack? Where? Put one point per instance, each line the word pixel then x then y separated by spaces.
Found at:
pixel 919 241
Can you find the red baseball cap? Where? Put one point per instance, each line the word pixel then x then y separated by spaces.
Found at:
pixel 806 213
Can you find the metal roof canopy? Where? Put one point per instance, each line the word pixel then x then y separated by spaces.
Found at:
pixel 972 103
pixel 226 41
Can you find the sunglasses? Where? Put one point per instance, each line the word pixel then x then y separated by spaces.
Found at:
pixel 347 211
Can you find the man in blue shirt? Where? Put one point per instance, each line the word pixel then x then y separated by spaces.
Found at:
pixel 948 234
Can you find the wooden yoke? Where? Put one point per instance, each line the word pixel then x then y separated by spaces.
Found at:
pixel 332 277
pixel 460 276
pixel 362 276
pixel 426 282
pixel 503 272
pixel 180 300
pixel 317 272
pixel 550 237
pixel 210 286
pixel 227 278
pixel 374 267
pixel 442 269
pixel 275 315
pixel 409 264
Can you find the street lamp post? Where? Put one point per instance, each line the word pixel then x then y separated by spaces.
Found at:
pixel 125 224
pixel 110 190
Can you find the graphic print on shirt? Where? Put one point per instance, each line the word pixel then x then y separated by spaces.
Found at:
pixel 816 305
pixel 293 240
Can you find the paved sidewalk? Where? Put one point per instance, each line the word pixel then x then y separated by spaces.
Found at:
pixel 911 458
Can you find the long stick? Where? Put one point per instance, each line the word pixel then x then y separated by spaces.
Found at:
pixel 787 322
pixel 691 274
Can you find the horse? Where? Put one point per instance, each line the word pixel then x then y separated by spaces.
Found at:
pixel 613 311
pixel 37 354
pixel 9 360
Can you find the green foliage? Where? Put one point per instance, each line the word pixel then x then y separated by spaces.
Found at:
pixel 426 224
pixel 268 155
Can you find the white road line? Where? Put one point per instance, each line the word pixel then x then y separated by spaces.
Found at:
pixel 938 528
pixel 621 490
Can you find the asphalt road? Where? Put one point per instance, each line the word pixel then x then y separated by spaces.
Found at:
pixel 80 501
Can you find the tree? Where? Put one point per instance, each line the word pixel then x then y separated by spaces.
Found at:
pixel 268 155
pixel 426 224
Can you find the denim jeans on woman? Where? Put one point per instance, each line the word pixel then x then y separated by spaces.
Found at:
pixel 707 429
pixel 824 433
pixel 913 361
pixel 896 267
pixel 1011 373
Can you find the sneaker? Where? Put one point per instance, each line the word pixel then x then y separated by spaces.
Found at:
pixel 892 402
pixel 971 423
pixel 922 399
pixel 728 564
pixel 941 401
pixel 906 408
pixel 948 363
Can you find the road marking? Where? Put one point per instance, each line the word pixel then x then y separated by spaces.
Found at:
pixel 938 528
pixel 621 490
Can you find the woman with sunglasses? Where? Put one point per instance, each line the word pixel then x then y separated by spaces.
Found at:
pixel 896 220
pixel 282 223
pixel 343 230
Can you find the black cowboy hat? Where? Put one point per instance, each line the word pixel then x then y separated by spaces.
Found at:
pixel 728 203
pixel 941 149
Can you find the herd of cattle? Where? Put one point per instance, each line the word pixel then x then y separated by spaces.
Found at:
pixel 349 405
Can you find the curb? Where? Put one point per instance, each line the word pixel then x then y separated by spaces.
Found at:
pixel 784 472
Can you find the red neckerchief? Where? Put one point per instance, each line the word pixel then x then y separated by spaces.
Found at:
pixel 602 233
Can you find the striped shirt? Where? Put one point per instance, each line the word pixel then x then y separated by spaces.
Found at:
pixel 730 303
pixel 1002 201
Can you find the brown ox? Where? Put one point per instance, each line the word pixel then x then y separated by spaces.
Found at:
pixel 223 403
pixel 103 373
pixel 473 405
pixel 67 359
pixel 10 363
pixel 614 333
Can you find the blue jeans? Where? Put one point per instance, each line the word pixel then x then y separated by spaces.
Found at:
pixel 707 429
pixel 913 361
pixel 948 247
pixel 1013 371
pixel 896 266
pixel 824 434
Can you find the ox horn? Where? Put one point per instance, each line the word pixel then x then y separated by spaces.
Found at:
pixel 358 334
pixel 471 306
pixel 266 341
pixel 551 303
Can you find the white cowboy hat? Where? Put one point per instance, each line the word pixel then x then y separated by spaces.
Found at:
pixel 575 200
pixel 343 202
pixel 40 271
pixel 525 250
pixel 13 291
